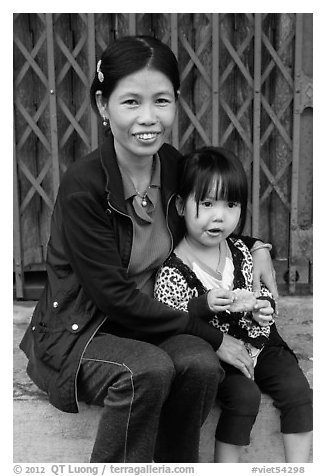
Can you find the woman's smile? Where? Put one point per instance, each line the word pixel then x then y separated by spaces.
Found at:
pixel 147 137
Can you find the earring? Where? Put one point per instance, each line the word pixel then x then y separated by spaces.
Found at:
pixel 105 121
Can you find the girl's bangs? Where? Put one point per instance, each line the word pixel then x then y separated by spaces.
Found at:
pixel 218 185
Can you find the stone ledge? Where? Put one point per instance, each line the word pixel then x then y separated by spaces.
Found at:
pixel 51 436
pixel 44 434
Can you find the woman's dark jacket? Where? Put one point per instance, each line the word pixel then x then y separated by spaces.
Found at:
pixel 87 265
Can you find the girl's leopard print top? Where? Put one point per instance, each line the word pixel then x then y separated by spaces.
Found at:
pixel 176 284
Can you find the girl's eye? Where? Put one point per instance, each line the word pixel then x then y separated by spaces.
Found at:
pixel 206 203
pixel 233 204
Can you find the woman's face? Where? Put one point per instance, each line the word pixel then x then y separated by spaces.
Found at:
pixel 141 111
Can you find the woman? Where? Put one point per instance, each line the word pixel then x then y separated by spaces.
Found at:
pixel 97 334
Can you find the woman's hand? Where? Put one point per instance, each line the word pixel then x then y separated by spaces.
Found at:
pixel 263 270
pixel 219 299
pixel 263 312
pixel 233 352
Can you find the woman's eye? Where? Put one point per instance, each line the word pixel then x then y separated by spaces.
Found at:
pixel 130 102
pixel 233 204
pixel 162 101
pixel 207 204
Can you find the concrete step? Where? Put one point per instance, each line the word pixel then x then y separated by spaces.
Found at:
pixel 51 436
pixel 44 434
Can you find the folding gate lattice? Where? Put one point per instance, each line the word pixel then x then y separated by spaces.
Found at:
pixel 244 86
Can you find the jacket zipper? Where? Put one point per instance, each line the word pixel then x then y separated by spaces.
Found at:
pixel 81 357
pixel 167 223
pixel 124 215
pixel 91 337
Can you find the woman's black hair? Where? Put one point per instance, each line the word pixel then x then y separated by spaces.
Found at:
pixel 128 55
pixel 198 177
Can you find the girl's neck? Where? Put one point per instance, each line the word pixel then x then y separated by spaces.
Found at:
pixel 208 255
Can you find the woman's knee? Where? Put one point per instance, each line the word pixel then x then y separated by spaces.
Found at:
pixel 193 356
pixel 156 371
pixel 203 368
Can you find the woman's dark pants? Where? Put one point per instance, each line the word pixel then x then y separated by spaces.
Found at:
pixel 155 398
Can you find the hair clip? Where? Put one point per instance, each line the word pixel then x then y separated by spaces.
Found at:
pixel 100 75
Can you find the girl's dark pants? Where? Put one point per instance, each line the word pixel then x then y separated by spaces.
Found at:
pixel 155 398
pixel 278 374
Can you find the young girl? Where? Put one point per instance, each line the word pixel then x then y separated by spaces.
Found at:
pixel 212 259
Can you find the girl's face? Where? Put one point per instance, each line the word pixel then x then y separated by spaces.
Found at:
pixel 214 222
pixel 141 111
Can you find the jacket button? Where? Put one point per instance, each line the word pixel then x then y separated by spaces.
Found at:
pixel 55 304
pixel 74 327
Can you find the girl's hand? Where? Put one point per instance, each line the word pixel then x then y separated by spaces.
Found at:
pixel 263 312
pixel 263 270
pixel 219 299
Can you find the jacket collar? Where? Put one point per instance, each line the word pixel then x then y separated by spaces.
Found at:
pixel 114 185
pixel 113 179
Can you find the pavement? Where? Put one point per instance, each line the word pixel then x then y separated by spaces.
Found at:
pixel 44 434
